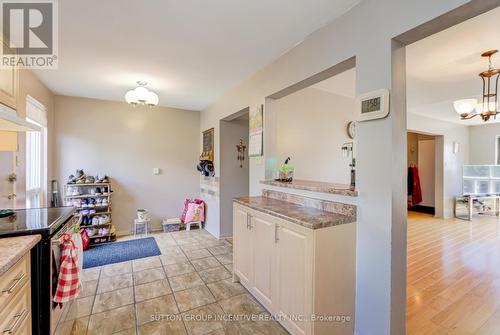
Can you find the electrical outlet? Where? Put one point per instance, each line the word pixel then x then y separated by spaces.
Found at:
pixel 156 171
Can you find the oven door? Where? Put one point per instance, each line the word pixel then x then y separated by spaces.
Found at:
pixel 72 227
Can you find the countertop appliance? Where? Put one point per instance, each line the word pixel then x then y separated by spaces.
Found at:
pixel 50 223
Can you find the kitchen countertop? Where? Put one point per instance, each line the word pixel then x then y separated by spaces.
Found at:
pixel 308 217
pixel 13 248
pixel 314 186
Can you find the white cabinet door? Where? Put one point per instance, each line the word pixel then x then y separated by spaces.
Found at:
pixel 9 81
pixel 294 277
pixel 243 247
pixel 264 256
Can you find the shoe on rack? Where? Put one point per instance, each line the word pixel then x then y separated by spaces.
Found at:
pixel 103 219
pixel 98 202
pixel 105 202
pixel 89 180
pixel 95 220
pixel 97 191
pixel 91 211
pixel 91 231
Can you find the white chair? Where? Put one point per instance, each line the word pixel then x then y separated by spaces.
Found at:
pixel 188 225
pixel 141 223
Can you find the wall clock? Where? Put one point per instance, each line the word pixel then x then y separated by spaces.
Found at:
pixel 351 130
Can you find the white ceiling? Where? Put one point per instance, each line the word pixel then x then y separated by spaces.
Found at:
pixel 444 67
pixel 190 51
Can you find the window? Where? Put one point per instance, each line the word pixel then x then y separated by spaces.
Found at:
pixel 36 155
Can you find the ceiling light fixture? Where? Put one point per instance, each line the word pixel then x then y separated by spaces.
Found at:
pixel 142 96
pixel 469 108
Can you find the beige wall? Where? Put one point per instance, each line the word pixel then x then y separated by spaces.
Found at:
pixel 311 128
pixel 127 143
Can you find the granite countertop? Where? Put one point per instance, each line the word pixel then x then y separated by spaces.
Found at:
pixel 308 217
pixel 314 186
pixel 13 248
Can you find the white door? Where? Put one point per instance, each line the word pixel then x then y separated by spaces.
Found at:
pixel 292 282
pixel 7 187
pixel 243 247
pixel 427 171
pixel 263 259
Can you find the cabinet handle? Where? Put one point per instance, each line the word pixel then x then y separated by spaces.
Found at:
pixel 249 222
pixel 276 237
pixel 15 282
pixel 17 319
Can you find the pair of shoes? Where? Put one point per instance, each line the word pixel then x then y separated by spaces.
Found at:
pixel 77 178
pixel 102 178
pixel 72 191
pixel 103 219
pixel 95 191
pixel 91 231
pixel 103 231
pixel 89 180
pixel 76 203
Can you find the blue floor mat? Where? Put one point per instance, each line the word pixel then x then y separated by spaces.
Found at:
pixel 117 252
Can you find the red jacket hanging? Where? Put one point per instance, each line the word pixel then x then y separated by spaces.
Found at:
pixel 69 272
pixel 416 190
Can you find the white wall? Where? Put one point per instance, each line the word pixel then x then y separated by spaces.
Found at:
pixel 127 143
pixel 365 32
pixel 311 128
pixel 452 173
pixel 483 143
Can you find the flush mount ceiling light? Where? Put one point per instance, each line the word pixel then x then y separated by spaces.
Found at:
pixel 141 96
pixel 488 107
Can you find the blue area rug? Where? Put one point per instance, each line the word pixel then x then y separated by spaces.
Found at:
pixel 120 252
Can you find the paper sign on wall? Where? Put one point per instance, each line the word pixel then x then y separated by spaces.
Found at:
pixel 256 123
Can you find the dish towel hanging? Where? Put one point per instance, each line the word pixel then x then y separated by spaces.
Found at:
pixel 69 272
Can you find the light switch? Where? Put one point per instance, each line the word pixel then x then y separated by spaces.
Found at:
pixel 156 171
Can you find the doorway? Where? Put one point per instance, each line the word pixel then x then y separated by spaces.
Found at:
pixel 451 264
pixel 234 166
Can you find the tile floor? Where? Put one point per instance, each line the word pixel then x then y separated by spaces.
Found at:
pixel 185 290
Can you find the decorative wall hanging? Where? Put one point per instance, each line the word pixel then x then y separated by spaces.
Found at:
pixel 241 152
pixel 208 145
pixel 256 131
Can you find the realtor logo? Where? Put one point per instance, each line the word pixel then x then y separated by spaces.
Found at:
pixel 29 31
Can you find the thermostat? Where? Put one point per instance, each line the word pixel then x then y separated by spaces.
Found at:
pixel 373 105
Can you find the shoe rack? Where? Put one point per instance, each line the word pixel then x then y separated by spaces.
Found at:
pixel 89 205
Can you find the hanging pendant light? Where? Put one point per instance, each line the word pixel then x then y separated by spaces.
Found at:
pixel 488 107
pixel 142 96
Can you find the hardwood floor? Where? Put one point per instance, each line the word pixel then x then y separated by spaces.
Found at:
pixel 453 280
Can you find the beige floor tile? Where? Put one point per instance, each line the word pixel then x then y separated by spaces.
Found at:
pixel 130 331
pixel 173 259
pixel 107 284
pixel 198 253
pixel 116 269
pixel 225 289
pixel 80 308
pixel 152 290
pixel 204 319
pixel 178 269
pixel 185 281
pixel 146 263
pixel 214 274
pixel 219 250
pixel 114 299
pixel 154 309
pixel 205 263
pixel 242 304
pixel 91 274
pixel 73 327
pixel 191 247
pixel 193 298
pixel 171 250
pixel 88 288
pixel 229 267
pixel 112 321
pixel 149 275
pixel 163 327
pixel 264 327
pixel 184 241
pixel 225 258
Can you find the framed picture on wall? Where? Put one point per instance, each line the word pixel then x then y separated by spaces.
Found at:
pixel 256 129
pixel 208 145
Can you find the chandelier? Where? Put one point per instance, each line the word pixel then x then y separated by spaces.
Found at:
pixel 488 107
pixel 141 96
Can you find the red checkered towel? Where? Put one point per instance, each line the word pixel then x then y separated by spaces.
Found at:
pixel 69 272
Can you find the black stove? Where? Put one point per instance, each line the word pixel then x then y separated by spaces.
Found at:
pixel 43 221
